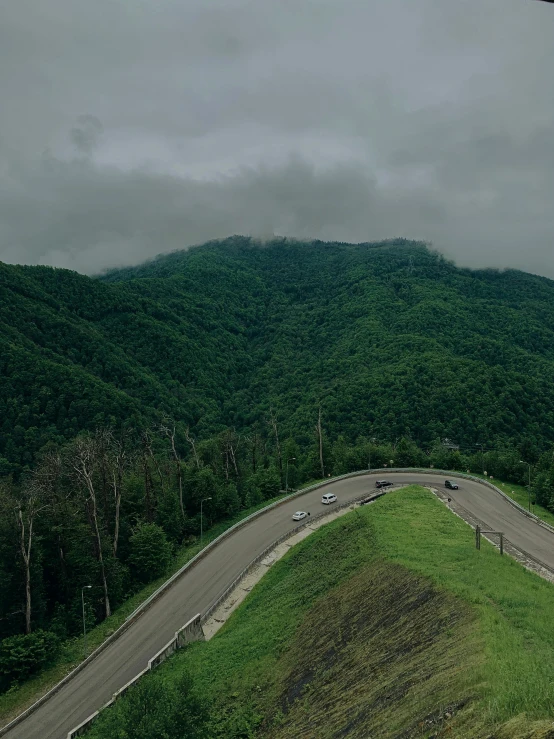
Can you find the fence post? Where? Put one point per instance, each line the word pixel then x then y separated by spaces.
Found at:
pixel 501 543
pixel 478 537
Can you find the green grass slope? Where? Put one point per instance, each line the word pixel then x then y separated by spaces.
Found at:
pixel 390 337
pixel 385 623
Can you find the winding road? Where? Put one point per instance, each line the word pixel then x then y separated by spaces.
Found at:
pixel 201 585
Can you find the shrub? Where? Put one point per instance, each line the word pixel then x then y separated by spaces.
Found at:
pixel 150 552
pixel 24 655
pixel 155 708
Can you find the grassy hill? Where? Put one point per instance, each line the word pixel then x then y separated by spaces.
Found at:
pixel 391 338
pixel 385 623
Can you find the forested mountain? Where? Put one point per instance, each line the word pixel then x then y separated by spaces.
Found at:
pixel 127 399
pixel 390 338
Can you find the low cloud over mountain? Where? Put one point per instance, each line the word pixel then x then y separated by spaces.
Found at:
pixel 130 130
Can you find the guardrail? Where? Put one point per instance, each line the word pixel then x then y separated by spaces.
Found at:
pixel 191 631
pixel 487 483
pixel 213 544
pixel 229 589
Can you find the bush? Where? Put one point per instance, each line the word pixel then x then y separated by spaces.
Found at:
pixel 24 655
pixel 150 552
pixel 267 481
pixel 155 708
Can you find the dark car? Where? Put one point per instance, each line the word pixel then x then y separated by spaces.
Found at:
pixel 382 484
pixel 451 485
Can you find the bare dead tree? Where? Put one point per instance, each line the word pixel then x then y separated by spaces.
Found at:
pixel 29 504
pixel 273 424
pixel 192 443
pixel 230 442
pixel 320 438
pixel 104 437
pixel 49 474
pixel 233 442
pixel 119 460
pixel 167 429
pixel 148 446
pixel 83 463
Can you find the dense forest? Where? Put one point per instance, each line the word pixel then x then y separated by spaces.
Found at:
pixel 226 373
pixel 391 339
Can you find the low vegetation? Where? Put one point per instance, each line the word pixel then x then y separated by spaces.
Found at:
pixel 385 623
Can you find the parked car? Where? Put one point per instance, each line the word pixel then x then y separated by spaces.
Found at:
pixel 329 498
pixel 450 484
pixel 382 484
pixel 299 515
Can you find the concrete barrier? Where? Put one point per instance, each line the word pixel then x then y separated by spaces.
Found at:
pixel 84 726
pixel 191 631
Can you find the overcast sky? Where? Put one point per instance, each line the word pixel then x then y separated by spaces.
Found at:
pixel 134 127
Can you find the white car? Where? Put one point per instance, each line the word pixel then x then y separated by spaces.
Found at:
pixel 299 515
pixel 329 498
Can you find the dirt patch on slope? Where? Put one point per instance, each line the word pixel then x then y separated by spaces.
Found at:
pixel 380 656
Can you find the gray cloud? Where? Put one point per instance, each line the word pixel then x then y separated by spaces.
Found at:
pixel 86 134
pixel 172 123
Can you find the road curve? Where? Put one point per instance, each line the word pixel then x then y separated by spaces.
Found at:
pixel 200 586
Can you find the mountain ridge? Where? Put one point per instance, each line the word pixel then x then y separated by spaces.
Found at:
pixel 391 338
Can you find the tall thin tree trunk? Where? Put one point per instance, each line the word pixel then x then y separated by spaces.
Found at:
pixel 85 462
pixel 26 555
pixel 27 598
pixel 117 483
pixel 170 434
pixel 192 443
pixel 101 560
pixel 232 453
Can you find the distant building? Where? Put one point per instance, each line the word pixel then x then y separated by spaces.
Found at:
pixel 450 445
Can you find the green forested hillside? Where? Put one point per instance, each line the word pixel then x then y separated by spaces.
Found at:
pixel 390 338
pixel 128 399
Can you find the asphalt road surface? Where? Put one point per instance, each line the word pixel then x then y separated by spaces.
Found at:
pixel 200 586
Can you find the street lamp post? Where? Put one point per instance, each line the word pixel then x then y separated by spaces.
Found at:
pixel 529 485
pixel 287 473
pixel 85 587
pixel 201 519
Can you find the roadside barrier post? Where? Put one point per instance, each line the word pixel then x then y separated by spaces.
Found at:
pixel 500 535
pixel 478 537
